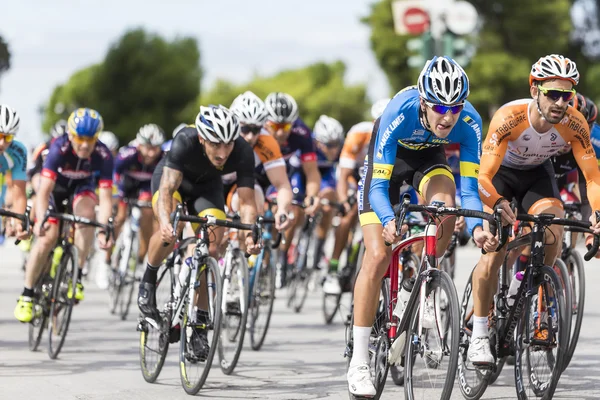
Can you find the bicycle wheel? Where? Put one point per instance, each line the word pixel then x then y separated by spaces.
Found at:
pixel 472 381
pixel 194 369
pixel 62 300
pixel 41 310
pixel 301 276
pixel 379 344
pixel 128 280
pixel 577 283
pixel 234 310
pixel 541 337
pixel 263 297
pixel 436 348
pixel 155 338
pixel 563 275
pixel 115 278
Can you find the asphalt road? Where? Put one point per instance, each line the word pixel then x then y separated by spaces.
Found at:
pixel 301 358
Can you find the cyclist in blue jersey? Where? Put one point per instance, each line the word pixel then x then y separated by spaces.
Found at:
pixel 298 150
pixel 406 145
pixel 13 161
pixel 69 174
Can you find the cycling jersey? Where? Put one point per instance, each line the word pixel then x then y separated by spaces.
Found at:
pixel 131 174
pixel 300 146
pixel 513 143
pixel 166 146
pixel 64 167
pixel 356 145
pixel 595 139
pixel 14 159
pixel 400 126
pixel 267 155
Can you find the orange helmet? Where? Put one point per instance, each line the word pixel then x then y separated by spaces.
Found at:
pixel 554 66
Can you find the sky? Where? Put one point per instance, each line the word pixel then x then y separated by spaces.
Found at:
pixel 51 40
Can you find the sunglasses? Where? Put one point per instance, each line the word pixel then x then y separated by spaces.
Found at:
pixel 255 129
pixel 332 145
pixel 7 138
pixel 275 126
pixel 84 139
pixel 442 109
pixel 555 94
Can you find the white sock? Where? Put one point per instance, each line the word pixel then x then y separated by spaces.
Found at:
pixel 360 352
pixel 480 327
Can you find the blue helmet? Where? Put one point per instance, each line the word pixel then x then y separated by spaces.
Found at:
pixel 443 81
pixel 85 122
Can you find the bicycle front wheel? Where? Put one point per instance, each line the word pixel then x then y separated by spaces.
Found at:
pixel 541 339
pixel 41 307
pixel 262 298
pixel 431 356
pixel 195 358
pixel 234 311
pixel 62 301
pixel 577 283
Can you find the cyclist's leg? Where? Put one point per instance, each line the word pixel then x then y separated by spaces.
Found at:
pixel 328 192
pixel 146 221
pixel 84 203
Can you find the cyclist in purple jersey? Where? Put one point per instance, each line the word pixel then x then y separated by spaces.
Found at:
pixel 299 151
pixel 69 174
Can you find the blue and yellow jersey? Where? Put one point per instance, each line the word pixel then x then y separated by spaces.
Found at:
pixel 400 126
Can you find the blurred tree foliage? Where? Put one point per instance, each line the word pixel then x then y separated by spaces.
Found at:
pixel 513 34
pixel 142 79
pixel 318 88
pixel 4 56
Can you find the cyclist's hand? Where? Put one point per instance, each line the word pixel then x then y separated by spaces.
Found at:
pixel 311 206
pixel 103 242
pixel 166 232
pixel 460 224
pixel 279 215
pixel 39 230
pixel 595 224
pixel 347 207
pixel 20 233
pixel 485 240
pixel 508 216
pixel 389 232
pixel 9 227
pixel 251 247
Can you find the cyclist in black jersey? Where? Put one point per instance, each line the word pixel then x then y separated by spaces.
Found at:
pixel 191 173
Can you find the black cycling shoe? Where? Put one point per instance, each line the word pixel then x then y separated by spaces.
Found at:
pixel 345 276
pixel 147 300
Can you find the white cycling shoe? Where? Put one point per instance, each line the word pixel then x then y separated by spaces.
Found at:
pixel 359 381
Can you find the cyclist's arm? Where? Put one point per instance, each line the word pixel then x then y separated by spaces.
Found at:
pixel 169 183
pixel 279 179
pixel 494 148
pixel 469 168
pixel 42 198
pixel 313 178
pixel 247 205
pixel 19 197
pixel 587 162
pixel 342 183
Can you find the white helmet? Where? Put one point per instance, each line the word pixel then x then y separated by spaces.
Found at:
pixel 249 109
pixel 59 128
pixel 378 107
pixel 178 128
pixel 443 81
pixel 151 134
pixel 9 120
pixel 109 139
pixel 328 130
pixel 281 107
pixel 217 124
pixel 554 66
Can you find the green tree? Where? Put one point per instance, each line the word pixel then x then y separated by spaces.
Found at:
pixel 4 56
pixel 513 35
pixel 143 79
pixel 318 88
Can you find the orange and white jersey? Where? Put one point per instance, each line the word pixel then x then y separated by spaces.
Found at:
pixel 266 153
pixel 512 142
pixel 356 145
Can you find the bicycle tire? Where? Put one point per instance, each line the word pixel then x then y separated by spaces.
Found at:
pixel 266 272
pixel 66 271
pixel 214 281
pixel 546 275
pixel 115 279
pixel 41 310
pixel 240 268
pixel 444 282
pixel 150 374
pixel 575 265
pixel 563 274
pixel 128 280
pixel 301 277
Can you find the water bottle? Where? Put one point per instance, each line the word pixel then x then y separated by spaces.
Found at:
pixel 185 270
pixel 58 252
pixel 514 287
pixel 136 214
pixel 403 296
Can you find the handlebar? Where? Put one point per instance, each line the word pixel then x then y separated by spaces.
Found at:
pixel 24 218
pixel 107 229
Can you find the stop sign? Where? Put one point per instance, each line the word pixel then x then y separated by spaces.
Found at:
pixel 416 20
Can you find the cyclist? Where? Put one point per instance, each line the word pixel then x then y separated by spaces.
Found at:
pixel 111 141
pixel 328 134
pixel 133 171
pixel 250 111
pixel 522 137
pixel 407 146
pixel 69 172
pixel 40 153
pixel 191 173
pixel 13 161
pixel 167 145
pixel 298 149
pixel 355 148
